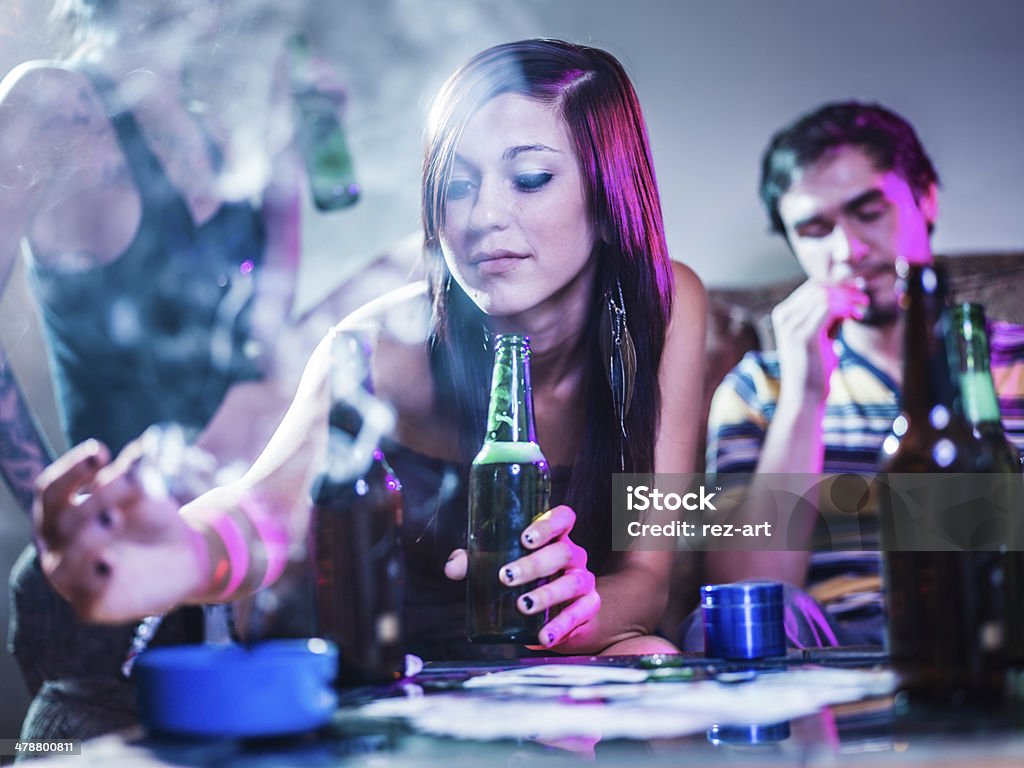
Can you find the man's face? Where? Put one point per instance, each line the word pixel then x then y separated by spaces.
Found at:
pixel 848 223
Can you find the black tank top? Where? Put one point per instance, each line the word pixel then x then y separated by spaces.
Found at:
pixel 162 332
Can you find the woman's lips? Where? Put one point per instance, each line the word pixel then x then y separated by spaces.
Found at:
pixel 497 263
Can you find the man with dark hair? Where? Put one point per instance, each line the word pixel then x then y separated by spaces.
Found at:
pixel 852 190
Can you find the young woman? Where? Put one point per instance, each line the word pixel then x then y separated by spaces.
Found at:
pixel 541 217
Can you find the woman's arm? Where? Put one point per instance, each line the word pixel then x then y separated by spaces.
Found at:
pixel 33 134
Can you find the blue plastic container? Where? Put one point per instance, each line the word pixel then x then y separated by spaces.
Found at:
pixel 743 621
pixel 274 688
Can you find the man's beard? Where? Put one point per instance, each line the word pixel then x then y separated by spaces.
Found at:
pixel 878 315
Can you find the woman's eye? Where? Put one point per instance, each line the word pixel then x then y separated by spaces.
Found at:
pixel 528 182
pixel 459 188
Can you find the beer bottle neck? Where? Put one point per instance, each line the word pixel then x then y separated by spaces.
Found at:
pixel 510 412
pixel 356 420
pixel 927 379
pixel 976 385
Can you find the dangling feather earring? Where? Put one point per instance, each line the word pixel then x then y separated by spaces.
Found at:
pixel 619 361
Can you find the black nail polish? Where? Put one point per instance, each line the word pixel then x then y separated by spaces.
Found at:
pixel 510 575
pixel 102 569
pixel 528 538
pixel 528 602
pixel 551 638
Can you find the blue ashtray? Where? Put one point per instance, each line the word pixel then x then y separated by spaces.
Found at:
pixel 271 689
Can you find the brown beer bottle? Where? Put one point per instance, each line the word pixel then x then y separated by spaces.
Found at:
pixel 356 525
pixel 934 598
pixel 509 486
pixel 1000 460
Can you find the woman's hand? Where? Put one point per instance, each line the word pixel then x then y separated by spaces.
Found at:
pixel 110 537
pixel 554 555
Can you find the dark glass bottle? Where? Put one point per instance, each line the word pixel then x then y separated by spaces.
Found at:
pixel 356 527
pixel 509 486
pixel 1000 460
pixel 320 136
pixel 935 599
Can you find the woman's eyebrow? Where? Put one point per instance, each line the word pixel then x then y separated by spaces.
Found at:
pixel 513 152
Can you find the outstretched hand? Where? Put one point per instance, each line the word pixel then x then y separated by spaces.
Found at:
pixel 110 537
pixel 553 554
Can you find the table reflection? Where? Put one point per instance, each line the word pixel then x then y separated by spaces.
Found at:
pixel 620 711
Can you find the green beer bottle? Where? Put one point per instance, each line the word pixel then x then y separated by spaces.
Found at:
pixel 509 487
pixel 998 457
pixel 320 136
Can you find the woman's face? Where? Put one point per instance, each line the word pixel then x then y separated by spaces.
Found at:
pixel 518 232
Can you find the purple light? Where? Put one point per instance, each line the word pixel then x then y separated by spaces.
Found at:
pixel 246 266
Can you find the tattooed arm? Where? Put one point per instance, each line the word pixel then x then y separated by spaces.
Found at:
pixel 23 450
pixel 32 141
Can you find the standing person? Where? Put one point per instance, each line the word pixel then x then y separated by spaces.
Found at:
pixel 852 190
pixel 541 217
pixel 164 296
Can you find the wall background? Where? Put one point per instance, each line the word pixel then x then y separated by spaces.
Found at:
pixel 716 79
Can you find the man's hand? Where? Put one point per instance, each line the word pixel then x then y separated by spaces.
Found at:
pixel 805 324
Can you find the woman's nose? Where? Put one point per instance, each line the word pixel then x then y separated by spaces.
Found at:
pixel 490 207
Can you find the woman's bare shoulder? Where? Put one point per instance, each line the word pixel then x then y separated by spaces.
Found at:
pixel 44 84
pixel 48 110
pixel 403 312
pixel 689 300
pixel 396 327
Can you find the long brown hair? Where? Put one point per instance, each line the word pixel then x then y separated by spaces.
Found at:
pixel 596 99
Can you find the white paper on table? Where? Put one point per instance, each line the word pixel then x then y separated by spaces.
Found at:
pixel 636 711
pixel 558 674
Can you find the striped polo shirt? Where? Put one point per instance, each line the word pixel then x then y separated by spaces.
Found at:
pixel 862 403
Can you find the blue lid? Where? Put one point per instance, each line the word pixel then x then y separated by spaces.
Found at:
pixel 741 593
pixel 274 688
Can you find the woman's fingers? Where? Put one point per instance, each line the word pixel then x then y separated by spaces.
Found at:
pixel 575 582
pixel 457 565
pixel 546 561
pixel 554 523
pixel 572 616
pixel 59 483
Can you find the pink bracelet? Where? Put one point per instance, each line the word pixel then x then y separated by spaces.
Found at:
pixel 238 553
pixel 274 538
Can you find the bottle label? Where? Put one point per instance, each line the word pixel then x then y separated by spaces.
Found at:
pixel 979 397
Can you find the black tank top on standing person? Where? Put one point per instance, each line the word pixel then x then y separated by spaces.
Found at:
pixel 160 333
